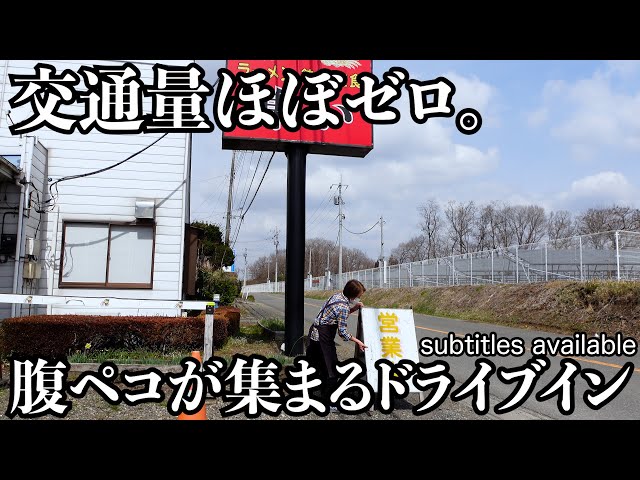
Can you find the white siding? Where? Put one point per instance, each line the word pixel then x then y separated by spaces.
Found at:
pixel 158 173
pixel 7 264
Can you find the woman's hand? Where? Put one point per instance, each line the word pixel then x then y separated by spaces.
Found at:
pixel 360 344
pixel 356 307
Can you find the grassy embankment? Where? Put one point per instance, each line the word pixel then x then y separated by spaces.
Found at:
pixel 559 307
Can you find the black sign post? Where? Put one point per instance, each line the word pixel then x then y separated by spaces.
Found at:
pixel 294 281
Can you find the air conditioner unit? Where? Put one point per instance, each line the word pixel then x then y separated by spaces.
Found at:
pixel 145 208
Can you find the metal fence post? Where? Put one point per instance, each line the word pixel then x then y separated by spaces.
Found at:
pixel 437 272
pixel 517 266
pixel 410 270
pixel 618 254
pixel 422 271
pixel 471 267
pixel 546 271
pixel 581 274
pixel 491 266
pixel 453 270
pixel 399 284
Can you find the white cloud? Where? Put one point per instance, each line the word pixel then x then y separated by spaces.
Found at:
pixel 600 189
pixel 594 112
pixel 471 92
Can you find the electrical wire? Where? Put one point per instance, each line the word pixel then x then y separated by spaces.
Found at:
pixel 361 233
pixel 237 233
pixel 73 177
pixel 311 221
pixel 251 184
pixel 257 189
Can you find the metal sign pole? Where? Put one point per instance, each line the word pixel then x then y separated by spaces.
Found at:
pixel 294 286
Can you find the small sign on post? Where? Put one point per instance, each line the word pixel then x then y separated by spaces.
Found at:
pixel 208 330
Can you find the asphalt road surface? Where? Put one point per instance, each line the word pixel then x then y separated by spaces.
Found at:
pixel 624 406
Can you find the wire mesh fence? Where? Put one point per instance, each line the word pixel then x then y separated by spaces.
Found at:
pixel 613 255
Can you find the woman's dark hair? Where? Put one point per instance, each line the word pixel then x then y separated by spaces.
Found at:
pixel 353 289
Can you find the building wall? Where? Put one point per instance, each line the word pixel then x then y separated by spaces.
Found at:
pixel 9 198
pixel 159 173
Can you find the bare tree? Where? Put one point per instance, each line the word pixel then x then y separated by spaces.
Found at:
pixel 354 259
pixel 594 220
pixel 560 227
pixel 413 250
pixel 623 218
pixel 528 223
pixel 504 235
pixel 460 217
pixel 484 228
pixel 430 225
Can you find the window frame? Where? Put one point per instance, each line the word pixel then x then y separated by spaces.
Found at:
pixel 107 284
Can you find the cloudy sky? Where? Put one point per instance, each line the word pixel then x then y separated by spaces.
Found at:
pixel 561 134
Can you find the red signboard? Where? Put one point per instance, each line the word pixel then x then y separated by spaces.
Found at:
pixel 354 138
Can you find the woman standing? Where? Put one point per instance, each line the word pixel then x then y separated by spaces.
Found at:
pixel 332 319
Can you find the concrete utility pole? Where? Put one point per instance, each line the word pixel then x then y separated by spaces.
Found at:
pixel 228 227
pixel 245 268
pixel 327 274
pixel 381 239
pixel 382 266
pixel 338 201
pixel 276 242
pixel 310 277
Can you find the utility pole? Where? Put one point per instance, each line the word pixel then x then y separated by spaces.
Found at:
pixel 384 270
pixel 338 201
pixel 310 277
pixel 381 239
pixel 327 274
pixel 276 242
pixel 229 199
pixel 245 268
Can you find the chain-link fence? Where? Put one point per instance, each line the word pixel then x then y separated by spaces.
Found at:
pixel 613 255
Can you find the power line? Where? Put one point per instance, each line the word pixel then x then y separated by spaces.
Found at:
pixel 320 205
pixel 361 233
pixel 209 196
pixel 254 197
pixel 256 192
pixel 326 221
pixel 251 184
pixel 248 189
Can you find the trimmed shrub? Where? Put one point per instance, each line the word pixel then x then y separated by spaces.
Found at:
pixel 60 335
pixel 232 315
pixel 209 282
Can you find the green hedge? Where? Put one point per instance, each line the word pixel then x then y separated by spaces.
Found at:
pixel 225 284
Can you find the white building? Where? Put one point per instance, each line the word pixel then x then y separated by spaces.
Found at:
pixel 91 236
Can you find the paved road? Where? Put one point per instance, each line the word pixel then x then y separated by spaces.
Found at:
pixel 625 406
